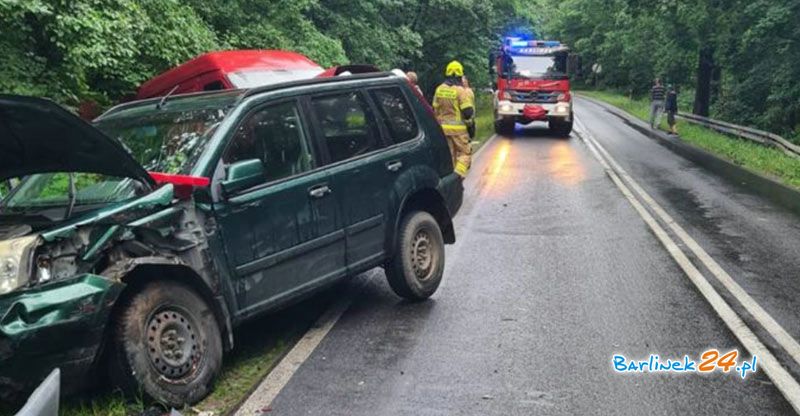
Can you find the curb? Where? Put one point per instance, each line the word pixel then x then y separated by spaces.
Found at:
pixel 754 182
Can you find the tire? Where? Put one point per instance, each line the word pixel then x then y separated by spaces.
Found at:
pixel 167 345
pixel 561 128
pixel 504 127
pixel 417 266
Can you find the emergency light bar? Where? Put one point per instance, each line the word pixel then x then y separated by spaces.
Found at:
pixel 518 46
pixel 521 43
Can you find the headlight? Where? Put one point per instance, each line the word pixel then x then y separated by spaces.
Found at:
pixel 16 258
pixel 562 109
pixel 506 108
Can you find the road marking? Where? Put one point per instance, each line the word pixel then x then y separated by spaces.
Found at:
pixel 785 383
pixel 781 336
pixel 268 389
pixel 261 398
pixel 483 146
pixel 786 341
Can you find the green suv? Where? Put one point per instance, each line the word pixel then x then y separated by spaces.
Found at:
pixel 132 247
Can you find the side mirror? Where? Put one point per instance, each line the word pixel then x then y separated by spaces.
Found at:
pixel 242 175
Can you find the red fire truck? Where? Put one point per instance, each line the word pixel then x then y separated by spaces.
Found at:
pixel 531 84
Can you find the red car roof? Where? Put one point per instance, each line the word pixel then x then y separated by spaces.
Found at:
pixel 226 62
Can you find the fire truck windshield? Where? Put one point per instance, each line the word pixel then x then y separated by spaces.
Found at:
pixel 534 67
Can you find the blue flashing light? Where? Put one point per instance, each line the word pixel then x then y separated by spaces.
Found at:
pixel 519 43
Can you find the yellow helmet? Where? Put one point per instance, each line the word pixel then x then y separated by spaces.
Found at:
pixel 454 69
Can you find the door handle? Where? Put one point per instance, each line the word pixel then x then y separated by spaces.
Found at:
pixel 394 166
pixel 319 191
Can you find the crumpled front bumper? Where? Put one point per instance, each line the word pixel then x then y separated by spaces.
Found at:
pixel 60 324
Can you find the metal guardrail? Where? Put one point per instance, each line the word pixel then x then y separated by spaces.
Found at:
pixel 758 136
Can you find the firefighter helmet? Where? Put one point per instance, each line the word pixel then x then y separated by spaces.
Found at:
pixel 454 69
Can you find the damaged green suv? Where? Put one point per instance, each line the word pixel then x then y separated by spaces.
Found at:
pixel 133 246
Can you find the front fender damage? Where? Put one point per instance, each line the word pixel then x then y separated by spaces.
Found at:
pixel 81 271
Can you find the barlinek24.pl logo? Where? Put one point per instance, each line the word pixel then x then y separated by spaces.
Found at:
pixel 709 361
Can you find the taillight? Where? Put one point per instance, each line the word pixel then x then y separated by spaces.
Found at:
pixel 565 97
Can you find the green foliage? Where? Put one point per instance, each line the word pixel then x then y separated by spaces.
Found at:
pixel 755 46
pixel 102 50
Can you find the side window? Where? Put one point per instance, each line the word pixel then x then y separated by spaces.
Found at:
pixel 348 126
pixel 214 86
pixel 275 136
pixel 397 114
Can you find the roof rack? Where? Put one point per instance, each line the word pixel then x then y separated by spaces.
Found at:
pixel 316 81
pixel 247 92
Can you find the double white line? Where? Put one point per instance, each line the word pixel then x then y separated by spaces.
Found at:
pixel 787 385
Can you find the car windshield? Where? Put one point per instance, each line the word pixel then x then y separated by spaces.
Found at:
pixel 168 140
pixel 534 67
pixel 251 79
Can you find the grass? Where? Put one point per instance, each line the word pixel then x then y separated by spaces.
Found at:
pixel 260 344
pixel 763 159
pixel 484 119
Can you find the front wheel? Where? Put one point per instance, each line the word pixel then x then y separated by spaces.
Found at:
pixel 561 128
pixel 167 344
pixel 417 266
pixel 504 126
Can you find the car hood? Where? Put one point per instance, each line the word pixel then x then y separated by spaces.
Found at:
pixel 39 136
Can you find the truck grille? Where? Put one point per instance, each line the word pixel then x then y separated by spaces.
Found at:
pixel 535 96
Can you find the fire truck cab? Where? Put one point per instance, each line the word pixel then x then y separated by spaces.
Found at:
pixel 531 84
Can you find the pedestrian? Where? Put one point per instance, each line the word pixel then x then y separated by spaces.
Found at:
pixel 657 94
pixel 454 108
pixel 671 107
pixel 414 80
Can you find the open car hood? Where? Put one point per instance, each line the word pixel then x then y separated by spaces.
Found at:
pixel 39 136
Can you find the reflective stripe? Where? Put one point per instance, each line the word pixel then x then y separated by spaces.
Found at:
pixel 452 122
pixel 461 169
pixel 446 93
pixel 459 128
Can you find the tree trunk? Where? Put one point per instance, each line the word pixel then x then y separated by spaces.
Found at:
pixel 705 75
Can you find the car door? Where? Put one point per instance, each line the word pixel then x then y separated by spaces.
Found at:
pixel 283 236
pixel 360 171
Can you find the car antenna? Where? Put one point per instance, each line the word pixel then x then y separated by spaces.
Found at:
pixel 163 101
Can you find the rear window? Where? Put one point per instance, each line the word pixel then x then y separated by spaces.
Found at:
pixel 397 114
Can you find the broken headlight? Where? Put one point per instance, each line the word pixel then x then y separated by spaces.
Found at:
pixel 16 259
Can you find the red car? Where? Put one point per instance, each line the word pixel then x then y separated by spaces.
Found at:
pixel 229 70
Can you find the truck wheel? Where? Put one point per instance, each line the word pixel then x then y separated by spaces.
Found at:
pixel 504 127
pixel 166 344
pixel 416 268
pixel 561 128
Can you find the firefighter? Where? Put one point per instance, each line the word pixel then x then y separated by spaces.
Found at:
pixel 455 110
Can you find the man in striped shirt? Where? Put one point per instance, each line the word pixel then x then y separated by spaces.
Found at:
pixel 657 95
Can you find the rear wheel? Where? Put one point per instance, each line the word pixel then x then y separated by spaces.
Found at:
pixel 504 126
pixel 561 128
pixel 417 266
pixel 167 344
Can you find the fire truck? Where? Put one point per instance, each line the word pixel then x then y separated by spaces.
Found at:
pixel 531 84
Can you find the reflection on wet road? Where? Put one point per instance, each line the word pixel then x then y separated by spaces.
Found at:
pixel 553 273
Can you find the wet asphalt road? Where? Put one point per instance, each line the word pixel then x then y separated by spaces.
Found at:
pixel 552 274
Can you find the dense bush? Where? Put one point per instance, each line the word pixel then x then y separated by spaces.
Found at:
pixel 739 58
pixel 101 50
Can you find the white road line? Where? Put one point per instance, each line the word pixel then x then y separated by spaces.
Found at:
pixel 785 383
pixel 276 380
pixel 261 398
pixel 786 341
pixel 484 145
